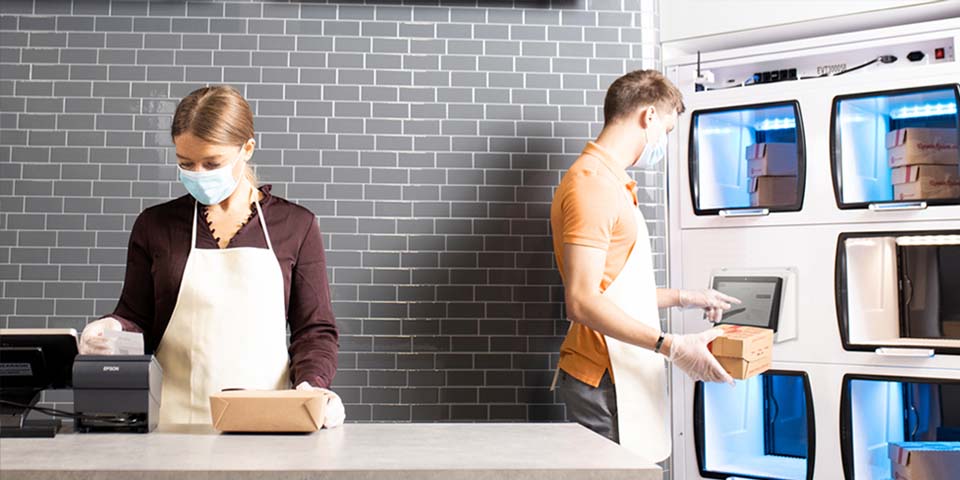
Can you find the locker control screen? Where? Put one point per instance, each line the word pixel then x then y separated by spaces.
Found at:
pixel 760 297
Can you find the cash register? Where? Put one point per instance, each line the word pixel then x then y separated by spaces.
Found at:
pixel 111 393
pixel 31 361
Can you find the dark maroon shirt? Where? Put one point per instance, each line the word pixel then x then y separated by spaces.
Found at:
pixel 157 255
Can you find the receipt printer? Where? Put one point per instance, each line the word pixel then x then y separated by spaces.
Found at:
pixel 116 393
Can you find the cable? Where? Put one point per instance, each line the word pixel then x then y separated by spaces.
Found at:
pixel 751 80
pixel 882 59
pixel 858 67
pixel 116 419
pixel 744 83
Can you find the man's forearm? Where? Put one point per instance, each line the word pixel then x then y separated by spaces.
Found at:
pixel 599 313
pixel 668 297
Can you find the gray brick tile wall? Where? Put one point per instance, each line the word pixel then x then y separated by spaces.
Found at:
pixel 427 139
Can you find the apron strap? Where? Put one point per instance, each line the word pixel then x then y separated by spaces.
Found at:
pixel 193 229
pixel 263 225
pixel 556 378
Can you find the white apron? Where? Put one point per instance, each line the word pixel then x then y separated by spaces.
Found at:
pixel 228 329
pixel 639 375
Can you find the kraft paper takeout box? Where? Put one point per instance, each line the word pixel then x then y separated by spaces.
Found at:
pixel 772 159
pixel 923 460
pixel 773 191
pixel 923 182
pixel 922 146
pixel 743 351
pixel 951 328
pixel 268 410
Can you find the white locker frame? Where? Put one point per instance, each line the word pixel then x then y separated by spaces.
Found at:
pixel 698 245
pixel 826 382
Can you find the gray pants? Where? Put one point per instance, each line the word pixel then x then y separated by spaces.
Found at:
pixel 592 407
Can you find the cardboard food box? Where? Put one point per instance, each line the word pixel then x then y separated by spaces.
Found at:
pixel 918 146
pixel 773 191
pixel 772 159
pixel 924 460
pixel 951 329
pixel 921 182
pixel 743 351
pixel 268 410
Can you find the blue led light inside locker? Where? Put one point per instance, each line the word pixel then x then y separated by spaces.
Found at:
pixel 759 428
pixel 863 140
pixel 884 411
pixel 725 139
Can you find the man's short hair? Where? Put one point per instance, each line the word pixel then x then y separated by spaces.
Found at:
pixel 638 89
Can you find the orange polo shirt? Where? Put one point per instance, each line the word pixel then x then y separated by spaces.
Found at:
pixel 592 207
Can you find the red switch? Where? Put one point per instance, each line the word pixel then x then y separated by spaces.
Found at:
pixel 938 53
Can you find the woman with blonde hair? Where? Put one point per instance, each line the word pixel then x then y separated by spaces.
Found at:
pixel 215 277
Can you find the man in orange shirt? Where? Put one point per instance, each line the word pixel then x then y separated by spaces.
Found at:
pixel 611 373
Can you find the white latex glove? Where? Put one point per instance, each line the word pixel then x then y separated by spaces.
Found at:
pixel 712 302
pixel 690 354
pixel 335 413
pixel 92 340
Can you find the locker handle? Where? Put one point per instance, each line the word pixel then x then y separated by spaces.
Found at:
pixel 898 206
pixel 905 352
pixel 749 212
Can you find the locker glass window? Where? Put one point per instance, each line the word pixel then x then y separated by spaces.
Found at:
pixel 761 428
pixel 876 411
pixel 898 289
pixel 749 157
pixel 897 146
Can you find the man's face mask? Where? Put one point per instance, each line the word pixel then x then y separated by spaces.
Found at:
pixel 653 151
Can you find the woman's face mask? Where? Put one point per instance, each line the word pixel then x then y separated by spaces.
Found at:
pixel 213 186
pixel 654 151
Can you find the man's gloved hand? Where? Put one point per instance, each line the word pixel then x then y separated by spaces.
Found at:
pixel 690 354
pixel 93 341
pixel 335 413
pixel 712 302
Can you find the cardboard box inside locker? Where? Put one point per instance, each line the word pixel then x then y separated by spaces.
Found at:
pixel 922 146
pixel 773 191
pixel 922 182
pixel 923 460
pixel 772 159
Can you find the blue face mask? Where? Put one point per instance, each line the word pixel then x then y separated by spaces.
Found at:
pixel 213 186
pixel 653 152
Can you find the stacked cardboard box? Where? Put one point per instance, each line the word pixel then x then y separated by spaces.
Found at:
pixel 951 329
pixel 924 460
pixel 772 168
pixel 743 351
pixel 924 162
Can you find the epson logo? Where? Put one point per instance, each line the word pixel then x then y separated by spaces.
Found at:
pixel 111 368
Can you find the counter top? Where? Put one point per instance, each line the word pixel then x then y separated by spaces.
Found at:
pixel 354 451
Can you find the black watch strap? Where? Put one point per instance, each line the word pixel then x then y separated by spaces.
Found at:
pixel 656 349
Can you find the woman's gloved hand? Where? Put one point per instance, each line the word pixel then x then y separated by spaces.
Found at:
pixel 335 413
pixel 690 354
pixel 93 341
pixel 712 302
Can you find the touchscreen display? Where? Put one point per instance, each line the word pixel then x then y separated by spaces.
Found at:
pixel 760 297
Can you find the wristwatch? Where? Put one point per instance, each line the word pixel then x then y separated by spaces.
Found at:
pixel 656 349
